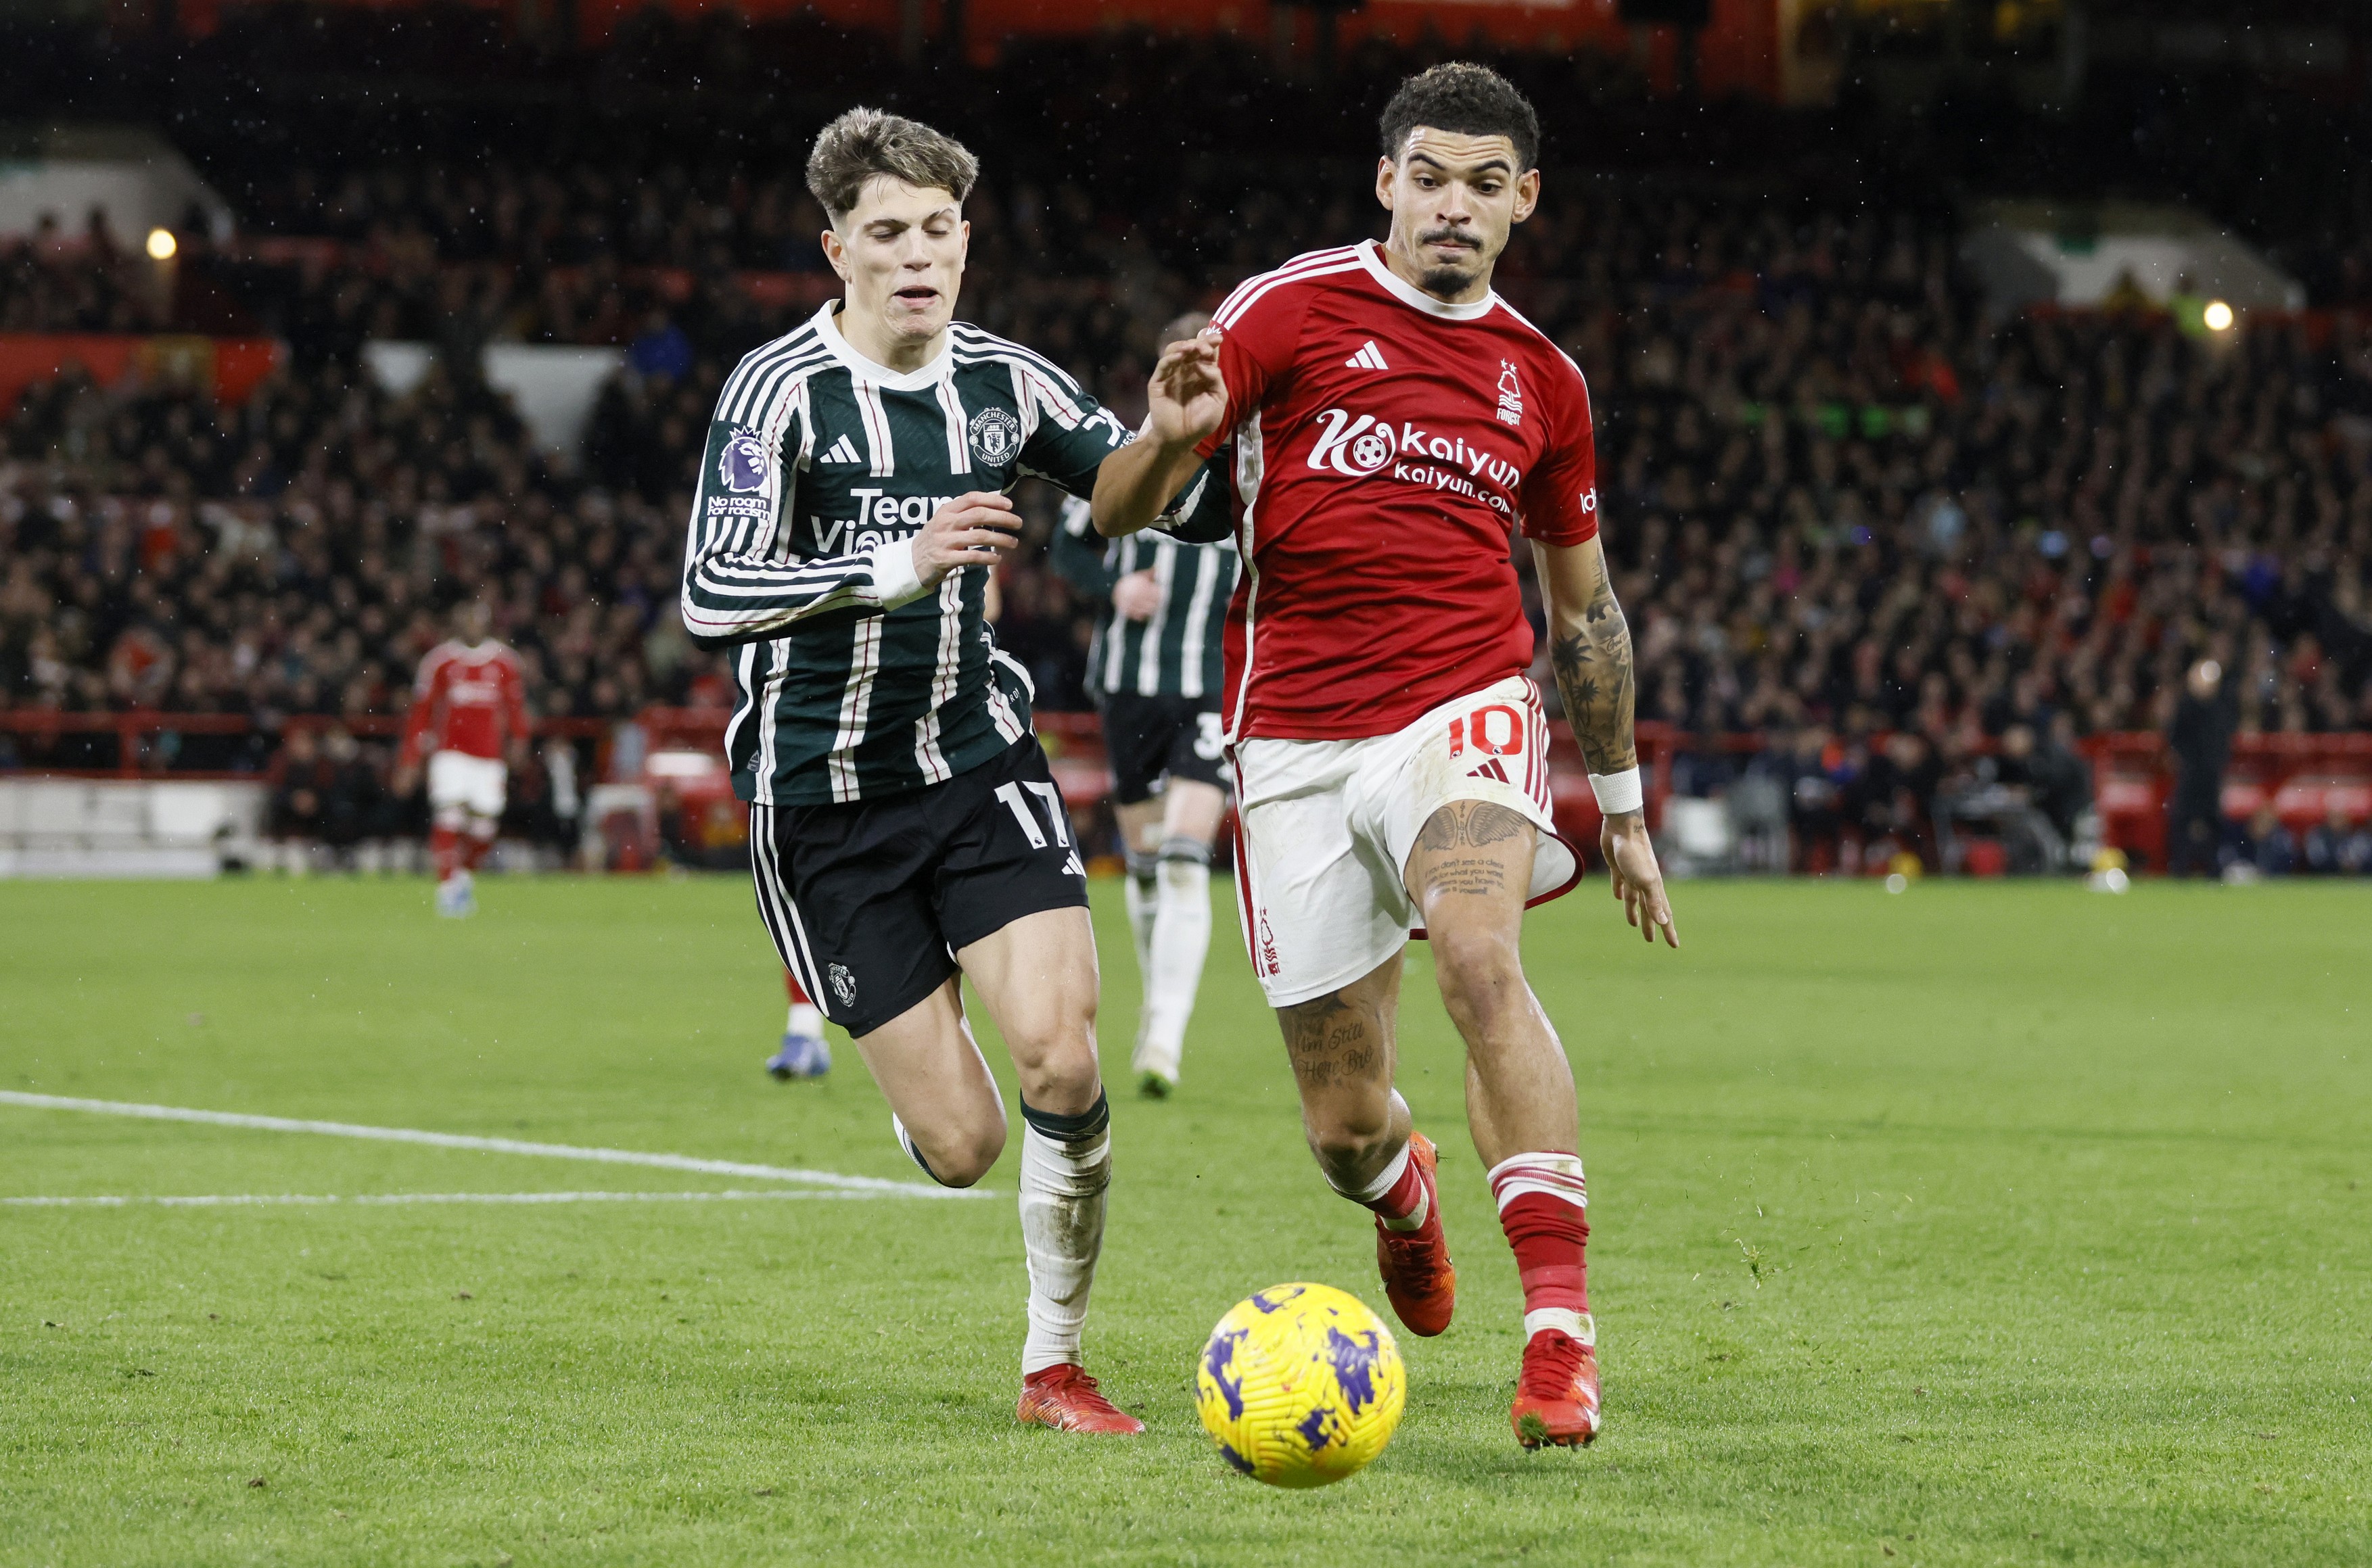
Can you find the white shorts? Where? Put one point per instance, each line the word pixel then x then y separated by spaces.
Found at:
pixel 473 783
pixel 1324 829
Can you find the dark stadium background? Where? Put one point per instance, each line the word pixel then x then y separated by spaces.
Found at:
pixel 1915 569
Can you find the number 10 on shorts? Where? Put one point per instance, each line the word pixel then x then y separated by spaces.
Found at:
pixel 1011 794
pixel 1497 730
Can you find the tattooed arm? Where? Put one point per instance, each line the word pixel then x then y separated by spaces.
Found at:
pixel 1589 645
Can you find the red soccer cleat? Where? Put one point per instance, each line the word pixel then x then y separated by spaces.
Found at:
pixel 1064 1398
pixel 1556 1393
pixel 1419 1279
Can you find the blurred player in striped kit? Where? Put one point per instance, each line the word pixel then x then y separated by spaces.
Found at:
pixel 1155 670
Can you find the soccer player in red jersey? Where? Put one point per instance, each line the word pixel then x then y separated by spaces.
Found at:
pixel 469 718
pixel 1395 420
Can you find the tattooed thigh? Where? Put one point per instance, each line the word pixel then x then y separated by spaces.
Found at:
pixel 1332 1042
pixel 1479 823
pixel 1474 847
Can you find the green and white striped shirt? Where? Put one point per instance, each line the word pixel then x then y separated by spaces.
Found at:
pixel 856 682
pixel 1178 651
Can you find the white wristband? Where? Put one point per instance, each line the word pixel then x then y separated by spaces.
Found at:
pixel 895 580
pixel 1618 793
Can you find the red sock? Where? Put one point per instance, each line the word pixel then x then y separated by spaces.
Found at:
pixel 445 852
pixel 473 850
pixel 1399 1197
pixel 1544 1209
pixel 791 986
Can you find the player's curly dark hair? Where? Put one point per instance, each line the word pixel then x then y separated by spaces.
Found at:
pixel 864 142
pixel 1472 100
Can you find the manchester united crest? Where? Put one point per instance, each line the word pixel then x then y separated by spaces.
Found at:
pixel 995 436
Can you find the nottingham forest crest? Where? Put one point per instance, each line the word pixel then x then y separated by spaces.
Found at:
pixel 995 436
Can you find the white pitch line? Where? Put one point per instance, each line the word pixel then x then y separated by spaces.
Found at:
pixel 234 1200
pixel 490 1146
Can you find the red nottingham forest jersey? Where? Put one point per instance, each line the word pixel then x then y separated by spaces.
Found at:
pixel 470 699
pixel 1387 446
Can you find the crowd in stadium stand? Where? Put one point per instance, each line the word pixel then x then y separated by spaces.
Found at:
pixel 1843 502
pixel 62 281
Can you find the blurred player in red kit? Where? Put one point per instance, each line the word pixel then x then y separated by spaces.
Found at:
pixel 469 720
pixel 1395 423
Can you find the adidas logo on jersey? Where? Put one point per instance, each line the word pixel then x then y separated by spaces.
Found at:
pixel 843 451
pixel 1369 357
pixel 1494 769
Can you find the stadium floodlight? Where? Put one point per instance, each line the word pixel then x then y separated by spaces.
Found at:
pixel 2219 315
pixel 161 244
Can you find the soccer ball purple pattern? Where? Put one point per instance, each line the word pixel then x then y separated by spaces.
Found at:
pixel 1300 1386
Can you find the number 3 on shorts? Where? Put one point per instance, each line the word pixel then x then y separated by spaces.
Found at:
pixel 1210 738
pixel 1011 794
pixel 1496 730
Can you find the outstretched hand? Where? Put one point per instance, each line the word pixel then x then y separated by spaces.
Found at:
pixel 1186 397
pixel 1638 880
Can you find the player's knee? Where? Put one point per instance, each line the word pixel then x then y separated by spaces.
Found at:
pixel 1063 1076
pixel 973 1155
pixel 957 1152
pixel 1481 975
pixel 1054 1039
pixel 1351 1150
pixel 1345 1139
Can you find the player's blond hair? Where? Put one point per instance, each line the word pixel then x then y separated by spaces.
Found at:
pixel 866 144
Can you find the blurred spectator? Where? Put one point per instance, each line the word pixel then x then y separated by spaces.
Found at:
pixel 302 781
pixel 1815 768
pixel 2201 739
pixel 2061 779
pixel 1894 800
pixel 2033 840
pixel 2338 847
pixel 352 808
pixel 2258 847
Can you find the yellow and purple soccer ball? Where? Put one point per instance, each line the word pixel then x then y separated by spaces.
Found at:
pixel 1300 1385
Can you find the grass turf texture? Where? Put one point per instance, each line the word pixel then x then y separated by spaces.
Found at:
pixel 1988 1224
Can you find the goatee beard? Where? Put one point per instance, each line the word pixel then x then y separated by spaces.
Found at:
pixel 1446 280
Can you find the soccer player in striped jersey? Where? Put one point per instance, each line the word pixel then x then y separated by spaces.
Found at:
pixel 903 823
pixel 1154 669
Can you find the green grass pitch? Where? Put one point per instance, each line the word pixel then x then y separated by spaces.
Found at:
pixel 1981 1224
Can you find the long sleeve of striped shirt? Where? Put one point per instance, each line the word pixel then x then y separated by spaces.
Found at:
pixel 743 582
pixel 1081 556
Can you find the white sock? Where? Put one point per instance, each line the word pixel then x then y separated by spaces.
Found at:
pixel 1063 1186
pixel 1181 940
pixel 1576 1324
pixel 1386 1179
pixel 805 1020
pixel 1140 892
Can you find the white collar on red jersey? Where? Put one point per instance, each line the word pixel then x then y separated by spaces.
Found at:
pixel 881 375
pixel 1372 255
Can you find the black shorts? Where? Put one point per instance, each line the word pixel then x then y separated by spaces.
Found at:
pixel 1150 739
pixel 870 901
